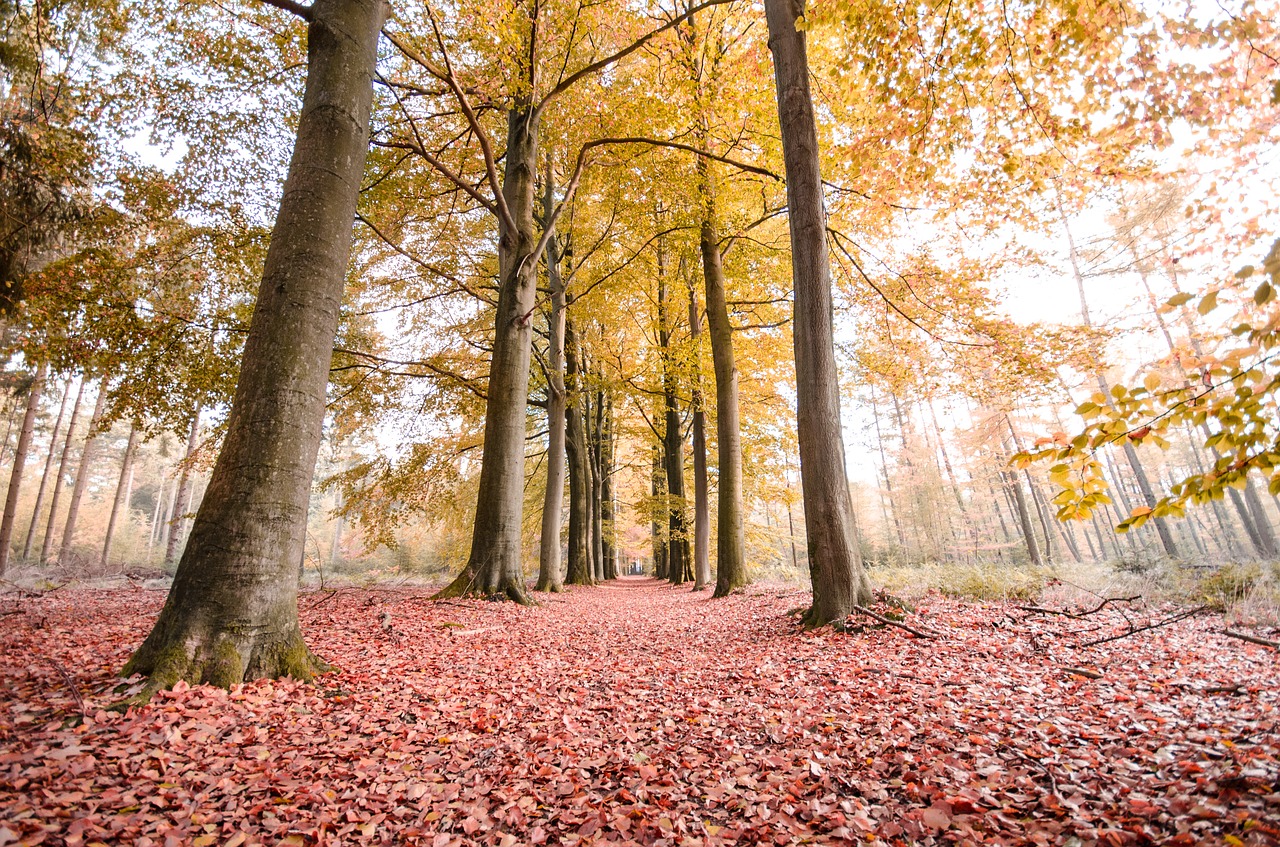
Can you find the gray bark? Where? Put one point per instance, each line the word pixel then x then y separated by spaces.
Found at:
pixel 87 455
pixel 123 487
pixel 835 563
pixel 578 571
pixel 48 467
pixel 731 543
pixel 494 566
pixel 46 546
pixel 182 500
pixel 679 566
pixel 550 577
pixel 701 504
pixel 232 613
pixel 19 462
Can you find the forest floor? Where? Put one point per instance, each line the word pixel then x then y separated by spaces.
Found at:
pixel 640 713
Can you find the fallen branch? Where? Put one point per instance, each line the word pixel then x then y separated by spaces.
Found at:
pixel 918 633
pixel 1091 674
pixel 1135 630
pixel 1079 615
pixel 71 684
pixel 1252 639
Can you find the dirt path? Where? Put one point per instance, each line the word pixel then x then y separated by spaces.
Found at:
pixel 640 713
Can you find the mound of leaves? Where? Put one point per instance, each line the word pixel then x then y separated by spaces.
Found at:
pixel 637 713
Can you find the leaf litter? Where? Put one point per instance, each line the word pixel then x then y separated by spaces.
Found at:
pixel 639 713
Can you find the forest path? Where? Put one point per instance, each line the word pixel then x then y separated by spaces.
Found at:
pixel 641 713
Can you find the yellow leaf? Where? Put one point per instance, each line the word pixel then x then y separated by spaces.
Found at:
pixel 1151 381
pixel 1208 303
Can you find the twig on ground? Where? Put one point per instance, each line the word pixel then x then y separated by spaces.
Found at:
pixel 71 685
pixel 1079 615
pixel 1135 630
pixel 1252 639
pixel 1091 674
pixel 918 633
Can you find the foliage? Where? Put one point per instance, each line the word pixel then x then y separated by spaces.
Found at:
pixel 479 723
pixel 1229 389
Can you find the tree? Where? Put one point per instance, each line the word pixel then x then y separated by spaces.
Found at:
pixel 19 462
pixel 232 612
pixel 835 563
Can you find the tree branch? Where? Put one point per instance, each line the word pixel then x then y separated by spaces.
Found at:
pixel 298 9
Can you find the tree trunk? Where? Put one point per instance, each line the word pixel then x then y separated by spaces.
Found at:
pixel 87 455
pixel 44 477
pixel 550 577
pixel 678 564
pixel 1024 516
pixel 494 566
pixel 579 565
pixel 46 546
pixel 701 505
pixel 835 563
pixel 731 543
pixel 19 462
pixel 609 540
pixel 595 427
pixel 182 500
pixel 123 488
pixel 657 529
pixel 232 613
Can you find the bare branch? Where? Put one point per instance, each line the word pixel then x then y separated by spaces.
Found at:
pixel 298 9
pixel 600 64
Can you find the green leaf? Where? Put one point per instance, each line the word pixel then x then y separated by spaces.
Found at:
pixel 1179 299
pixel 1263 293
pixel 1208 303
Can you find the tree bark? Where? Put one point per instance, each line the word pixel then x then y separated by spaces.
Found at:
pixel 232 613
pixel 87 455
pixel 835 563
pixel 701 500
pixel 123 488
pixel 46 546
pixel 608 535
pixel 182 500
pixel 549 572
pixel 657 529
pixel 679 568
pixel 494 566
pixel 579 565
pixel 44 477
pixel 19 463
pixel 731 543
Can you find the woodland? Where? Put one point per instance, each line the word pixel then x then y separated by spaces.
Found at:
pixel 538 421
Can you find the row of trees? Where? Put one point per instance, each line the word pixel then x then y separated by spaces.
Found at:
pixel 602 245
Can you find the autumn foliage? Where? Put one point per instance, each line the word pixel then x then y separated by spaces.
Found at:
pixel 637 713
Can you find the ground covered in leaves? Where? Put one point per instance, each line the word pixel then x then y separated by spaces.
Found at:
pixel 639 713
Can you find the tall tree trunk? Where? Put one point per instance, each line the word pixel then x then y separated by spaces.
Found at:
pixel 19 462
pixel 595 428
pixel 87 455
pixel 678 564
pixel 701 505
pixel 494 565
pixel 579 565
pixel 884 467
pixel 550 577
pixel 46 546
pixel 731 543
pixel 1139 474
pixel 232 613
pixel 657 528
pixel 609 538
pixel 182 500
pixel 123 489
pixel 835 563
pixel 1014 487
pixel 44 477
